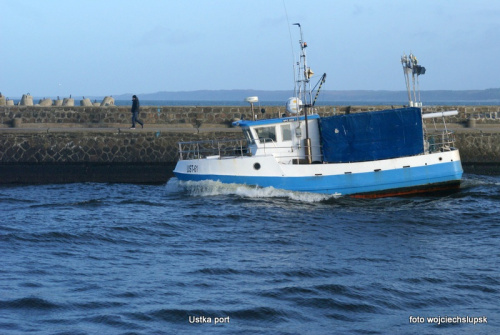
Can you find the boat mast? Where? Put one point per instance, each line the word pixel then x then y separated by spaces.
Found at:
pixel 410 66
pixel 305 73
pixel 406 70
pixel 303 82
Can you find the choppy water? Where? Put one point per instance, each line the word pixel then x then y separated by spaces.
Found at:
pixel 142 259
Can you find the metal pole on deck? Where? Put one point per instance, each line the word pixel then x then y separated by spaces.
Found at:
pixel 305 73
pixel 406 68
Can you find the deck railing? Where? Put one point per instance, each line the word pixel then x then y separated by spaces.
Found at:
pixel 204 149
pixel 435 142
pixel 232 148
pixel 440 141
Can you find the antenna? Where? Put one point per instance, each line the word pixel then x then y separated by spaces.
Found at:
pixel 291 48
pixel 251 101
pixel 297 89
pixel 305 73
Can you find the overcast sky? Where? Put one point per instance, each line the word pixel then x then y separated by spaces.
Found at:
pixel 94 47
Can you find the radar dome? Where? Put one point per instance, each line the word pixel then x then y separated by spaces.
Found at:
pixel 293 105
pixel 252 99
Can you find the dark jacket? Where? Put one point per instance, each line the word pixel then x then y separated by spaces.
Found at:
pixel 135 105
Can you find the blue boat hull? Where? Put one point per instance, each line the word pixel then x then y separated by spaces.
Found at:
pixel 392 182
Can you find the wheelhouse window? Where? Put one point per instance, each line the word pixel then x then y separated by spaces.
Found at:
pixel 248 135
pixel 286 132
pixel 266 134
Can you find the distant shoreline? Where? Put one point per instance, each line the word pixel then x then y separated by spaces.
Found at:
pixel 319 103
pixel 487 97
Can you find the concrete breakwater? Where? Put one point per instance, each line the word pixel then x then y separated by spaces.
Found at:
pixel 89 154
pixel 61 144
pixel 27 100
pixel 198 116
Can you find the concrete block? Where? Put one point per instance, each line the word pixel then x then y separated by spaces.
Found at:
pixel 27 100
pixel 45 102
pixel 68 102
pixel 85 102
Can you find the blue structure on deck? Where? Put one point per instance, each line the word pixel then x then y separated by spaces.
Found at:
pixel 372 136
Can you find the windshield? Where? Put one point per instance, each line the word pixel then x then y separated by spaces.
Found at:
pixel 266 134
pixel 248 135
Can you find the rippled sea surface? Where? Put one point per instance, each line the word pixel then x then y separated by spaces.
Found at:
pixel 206 258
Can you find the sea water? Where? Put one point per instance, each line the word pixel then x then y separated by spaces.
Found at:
pixel 208 258
pixel 319 103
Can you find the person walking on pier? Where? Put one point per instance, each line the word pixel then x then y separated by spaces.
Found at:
pixel 135 112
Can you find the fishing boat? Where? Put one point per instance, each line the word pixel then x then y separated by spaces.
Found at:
pixel 365 155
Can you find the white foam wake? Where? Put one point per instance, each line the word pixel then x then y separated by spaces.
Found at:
pixel 214 188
